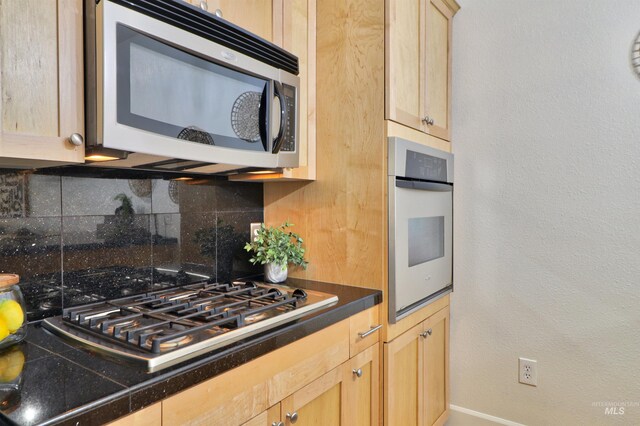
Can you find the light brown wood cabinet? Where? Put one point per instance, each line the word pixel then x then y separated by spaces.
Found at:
pixel 320 402
pixel 149 416
pixel 261 17
pixel 41 82
pixel 416 378
pixel 314 377
pixel 298 30
pixel 346 395
pixel 362 383
pixel 418 64
pixel 268 417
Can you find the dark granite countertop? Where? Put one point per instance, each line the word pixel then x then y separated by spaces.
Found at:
pixel 61 383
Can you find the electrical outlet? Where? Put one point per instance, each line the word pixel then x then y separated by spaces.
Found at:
pixel 528 371
pixel 255 227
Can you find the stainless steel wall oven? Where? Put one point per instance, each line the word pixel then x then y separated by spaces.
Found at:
pixel 420 189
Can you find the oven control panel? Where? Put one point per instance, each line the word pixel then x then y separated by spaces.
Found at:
pixel 427 167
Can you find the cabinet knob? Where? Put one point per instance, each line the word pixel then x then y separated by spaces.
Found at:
pixel 293 417
pixel 277 424
pixel 427 333
pixel 76 139
pixel 428 120
pixel 218 13
pixel 358 372
pixel 204 5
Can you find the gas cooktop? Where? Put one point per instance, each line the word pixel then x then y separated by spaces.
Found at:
pixel 164 327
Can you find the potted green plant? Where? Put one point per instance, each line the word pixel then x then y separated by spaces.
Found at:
pixel 276 248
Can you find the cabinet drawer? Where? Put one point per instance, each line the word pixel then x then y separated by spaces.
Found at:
pixel 364 330
pixel 150 416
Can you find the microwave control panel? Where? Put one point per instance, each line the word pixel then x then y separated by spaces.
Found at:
pixel 289 137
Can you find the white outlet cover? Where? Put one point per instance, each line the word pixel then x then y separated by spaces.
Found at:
pixel 528 371
pixel 255 227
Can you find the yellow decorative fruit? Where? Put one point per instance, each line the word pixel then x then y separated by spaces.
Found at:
pixel 11 365
pixel 4 330
pixel 12 314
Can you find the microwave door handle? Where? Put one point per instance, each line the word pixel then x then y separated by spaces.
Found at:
pixel 263 118
pixel 278 90
pixel 424 186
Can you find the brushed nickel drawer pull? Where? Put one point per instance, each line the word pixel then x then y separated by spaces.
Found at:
pixel 373 330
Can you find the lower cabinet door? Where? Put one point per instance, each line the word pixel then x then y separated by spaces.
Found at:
pixel 416 374
pixel 270 417
pixel 361 386
pixel 319 403
pixel 436 367
pixel 403 379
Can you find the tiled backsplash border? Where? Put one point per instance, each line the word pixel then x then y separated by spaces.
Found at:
pixel 75 240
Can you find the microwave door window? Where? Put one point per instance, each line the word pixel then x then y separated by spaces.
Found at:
pixel 170 92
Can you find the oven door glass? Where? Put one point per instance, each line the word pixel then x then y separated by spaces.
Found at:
pixel 421 230
pixel 167 91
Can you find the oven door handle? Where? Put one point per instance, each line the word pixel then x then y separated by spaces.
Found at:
pixel 424 186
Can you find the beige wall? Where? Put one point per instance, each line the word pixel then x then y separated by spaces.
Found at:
pixel 546 131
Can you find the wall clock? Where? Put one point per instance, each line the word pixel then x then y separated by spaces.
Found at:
pixel 635 55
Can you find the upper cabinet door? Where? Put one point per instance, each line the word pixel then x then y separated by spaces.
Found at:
pixel 418 65
pixel 299 38
pixel 41 82
pixel 404 59
pixel 261 17
pixel 438 69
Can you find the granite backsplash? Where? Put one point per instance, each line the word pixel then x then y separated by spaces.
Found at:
pixel 75 240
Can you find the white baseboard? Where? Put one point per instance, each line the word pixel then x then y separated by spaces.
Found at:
pixel 466 417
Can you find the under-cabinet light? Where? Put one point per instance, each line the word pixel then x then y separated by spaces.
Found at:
pixel 98 153
pixel 261 172
pixel 96 157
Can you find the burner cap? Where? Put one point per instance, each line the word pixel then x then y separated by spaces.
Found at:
pixel 274 292
pixel 250 284
pixel 169 343
pixel 299 293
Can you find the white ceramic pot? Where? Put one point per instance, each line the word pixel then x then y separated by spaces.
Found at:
pixel 274 273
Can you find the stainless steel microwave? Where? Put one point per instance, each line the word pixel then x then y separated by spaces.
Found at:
pixel 174 88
